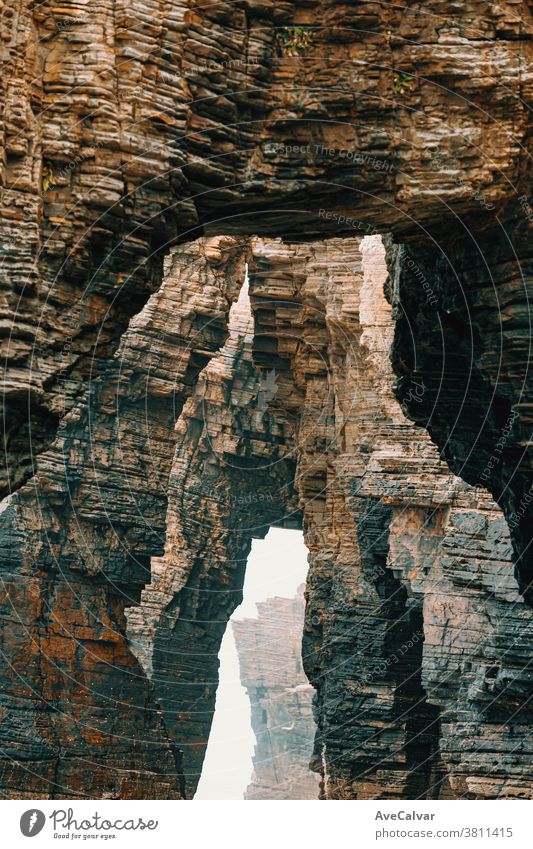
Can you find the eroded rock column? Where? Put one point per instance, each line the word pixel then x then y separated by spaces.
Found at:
pixel 231 478
pixel 270 661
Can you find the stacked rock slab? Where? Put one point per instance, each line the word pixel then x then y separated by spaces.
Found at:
pixel 270 661
pixel 121 132
pixel 232 478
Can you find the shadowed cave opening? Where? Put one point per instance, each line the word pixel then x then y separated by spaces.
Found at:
pixel 261 739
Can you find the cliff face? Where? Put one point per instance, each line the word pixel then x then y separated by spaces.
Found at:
pixel 270 660
pixel 76 544
pixel 232 476
pixel 411 703
pixel 127 132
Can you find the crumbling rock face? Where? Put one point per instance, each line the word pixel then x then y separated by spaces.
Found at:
pixel 270 660
pixel 125 132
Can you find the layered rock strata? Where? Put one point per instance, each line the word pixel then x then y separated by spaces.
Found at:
pixel 295 414
pixel 124 129
pixel 270 661
pixel 402 553
pixel 76 544
pixel 231 479
pixel 411 701
pixel 124 132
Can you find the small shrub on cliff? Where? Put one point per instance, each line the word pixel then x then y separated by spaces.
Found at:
pixel 295 40
pixel 403 82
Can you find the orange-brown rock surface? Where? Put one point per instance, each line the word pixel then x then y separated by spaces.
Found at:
pixel 135 133
pixel 76 552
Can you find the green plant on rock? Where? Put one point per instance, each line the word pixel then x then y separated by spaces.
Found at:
pixel 295 40
pixel 403 82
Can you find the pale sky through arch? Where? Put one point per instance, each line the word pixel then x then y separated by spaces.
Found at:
pixel 276 566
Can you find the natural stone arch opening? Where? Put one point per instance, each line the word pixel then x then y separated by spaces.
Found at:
pixel 351 469
pixel 262 737
pixel 150 160
pixel 290 284
pixel 230 482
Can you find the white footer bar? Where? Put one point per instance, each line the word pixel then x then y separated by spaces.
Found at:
pixel 268 825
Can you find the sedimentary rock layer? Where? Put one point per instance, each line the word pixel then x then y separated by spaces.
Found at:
pixel 412 701
pixel 126 130
pixel 76 546
pixel 231 478
pixel 125 127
